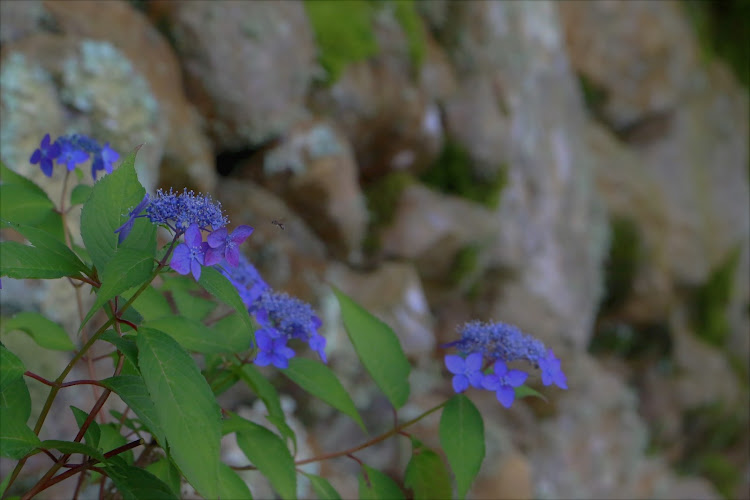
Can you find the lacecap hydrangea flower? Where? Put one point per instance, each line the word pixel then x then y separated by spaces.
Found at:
pixel 483 344
pixel 282 318
pixel 71 150
pixel 188 214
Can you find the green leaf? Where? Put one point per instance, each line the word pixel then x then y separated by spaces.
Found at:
pixel 16 439
pixel 23 202
pixel 112 439
pixel 321 382
pixel 185 406
pixel 270 397
pixel 124 344
pixel 323 489
pixel 93 433
pixel 134 483
pixel 45 332
pixel 231 484
pixel 378 348
pixel 151 303
pixel 132 390
pixel 127 268
pixel 11 367
pixel 107 208
pixel 166 471
pixel 80 194
pixel 192 306
pixel 268 453
pixel 72 447
pixel 426 473
pixel 462 439
pixel 15 400
pixel 219 286
pixel 524 391
pixel 44 241
pixel 377 486
pixel 195 336
pixel 233 331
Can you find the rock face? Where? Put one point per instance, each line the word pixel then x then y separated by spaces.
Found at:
pixel 515 140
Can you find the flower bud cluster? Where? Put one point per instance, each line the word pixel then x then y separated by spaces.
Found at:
pixel 496 344
pixel 72 150
pixel 281 317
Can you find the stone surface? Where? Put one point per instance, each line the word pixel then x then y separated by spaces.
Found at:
pixel 247 65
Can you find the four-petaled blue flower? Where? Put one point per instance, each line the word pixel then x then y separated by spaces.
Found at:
pixel 551 371
pixel 189 256
pixel 104 160
pixel 466 371
pixel 70 155
pixel 45 154
pixel 272 349
pixel 226 246
pixel 503 381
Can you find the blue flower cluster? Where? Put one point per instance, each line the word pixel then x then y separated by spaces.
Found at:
pixel 71 150
pixel 280 316
pixel 498 344
pixel 190 214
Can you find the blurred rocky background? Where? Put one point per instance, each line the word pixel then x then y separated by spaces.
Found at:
pixel 579 169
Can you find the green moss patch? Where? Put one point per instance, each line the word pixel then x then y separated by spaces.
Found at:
pixel 452 173
pixel 382 201
pixel 712 299
pixel 622 261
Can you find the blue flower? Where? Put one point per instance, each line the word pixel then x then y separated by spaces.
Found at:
pixel 125 229
pixel 45 154
pixel 466 371
pixel 226 246
pixel 272 349
pixel 503 381
pixel 246 279
pixel 179 211
pixel 318 344
pixel 189 256
pixel 499 341
pixel 104 159
pixel 70 155
pixel 551 371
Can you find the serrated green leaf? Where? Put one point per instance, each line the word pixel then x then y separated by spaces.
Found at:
pixel 127 268
pixel 80 194
pixel 231 484
pixel 16 439
pixel 31 207
pixel 93 433
pixel 11 367
pixel 15 400
pixel 462 439
pixel 132 390
pixel 112 439
pixel 192 306
pixel 321 382
pixel 322 487
pixel 378 348
pixel 134 483
pixel 166 471
pixel 151 303
pixel 106 209
pixel 219 286
pixel 124 344
pixel 269 454
pixel 72 447
pixel 50 246
pixel 270 397
pixel 185 404
pixel 45 332
pixel 195 336
pixel 377 486
pixel 234 331
pixel 426 474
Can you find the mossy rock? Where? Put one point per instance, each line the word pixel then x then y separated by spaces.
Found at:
pixel 712 299
pixel 622 261
pixel 382 201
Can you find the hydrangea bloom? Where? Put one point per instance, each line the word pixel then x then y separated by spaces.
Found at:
pixel 70 150
pixel 503 381
pixel 246 279
pixel 272 349
pixel 499 343
pixel 189 256
pixel 45 154
pixel 224 245
pixel 125 229
pixel 180 211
